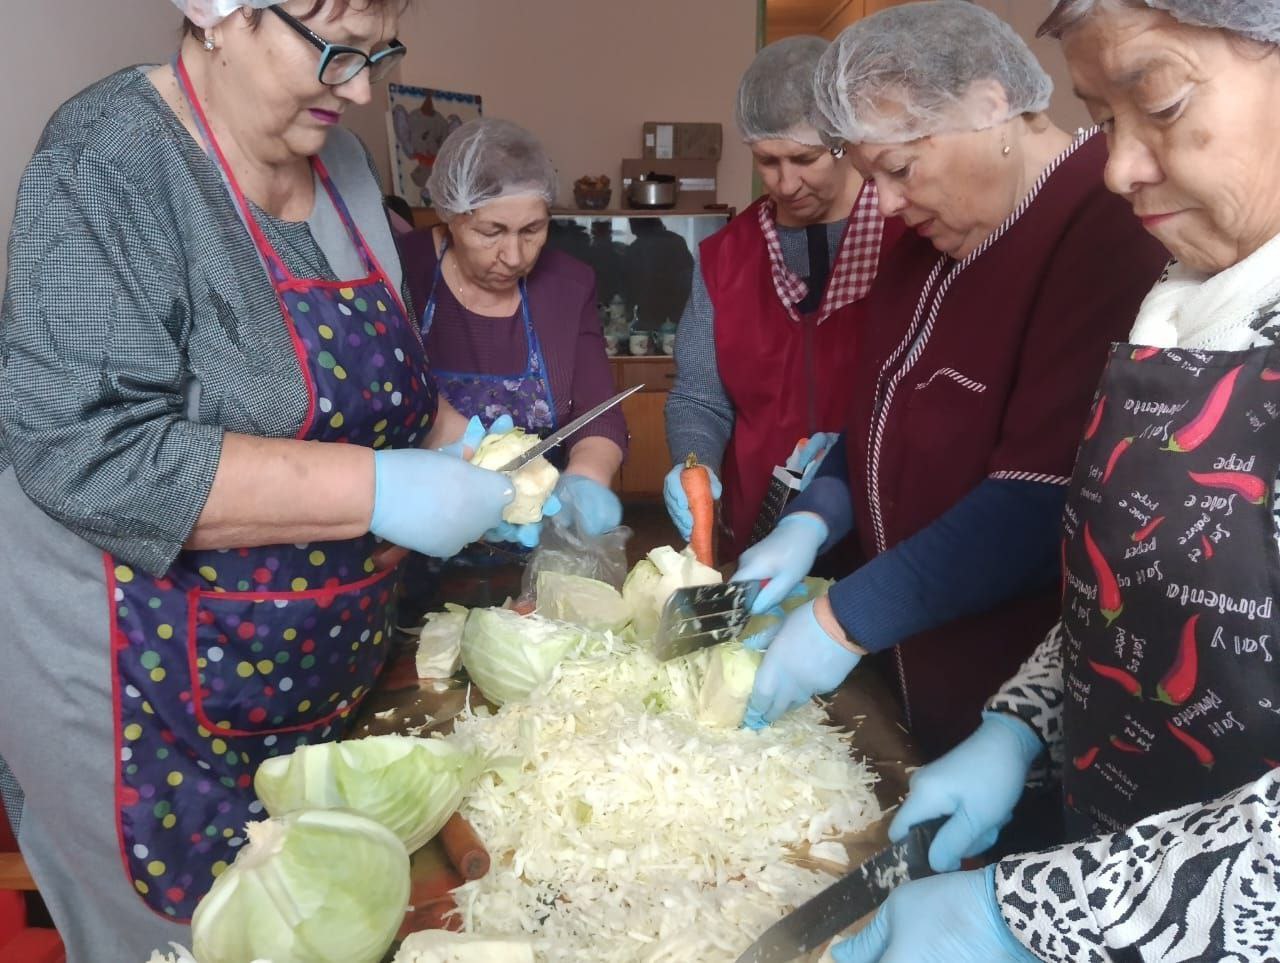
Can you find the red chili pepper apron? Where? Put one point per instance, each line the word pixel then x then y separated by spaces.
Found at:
pixel 235 656
pixel 1170 579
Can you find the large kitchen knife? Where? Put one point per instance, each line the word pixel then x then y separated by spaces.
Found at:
pixel 560 434
pixel 845 902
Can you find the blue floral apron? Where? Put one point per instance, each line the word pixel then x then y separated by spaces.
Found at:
pixel 237 655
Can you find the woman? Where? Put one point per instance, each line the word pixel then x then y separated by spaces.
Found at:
pixel 211 402
pixel 767 339
pixel 510 328
pixel 1158 684
pixel 987 326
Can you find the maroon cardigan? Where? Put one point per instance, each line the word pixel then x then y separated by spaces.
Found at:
pixel 998 385
pixel 562 303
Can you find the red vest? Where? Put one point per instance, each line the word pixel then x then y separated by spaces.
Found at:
pixel 785 379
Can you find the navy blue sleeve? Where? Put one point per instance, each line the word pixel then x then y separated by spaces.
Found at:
pixel 828 495
pixel 998 542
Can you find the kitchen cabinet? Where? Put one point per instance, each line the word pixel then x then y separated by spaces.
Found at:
pixel 648 460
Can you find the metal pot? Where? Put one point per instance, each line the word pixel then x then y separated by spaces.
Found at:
pixel 657 191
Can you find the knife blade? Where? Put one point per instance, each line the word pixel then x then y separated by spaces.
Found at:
pixel 848 900
pixel 560 434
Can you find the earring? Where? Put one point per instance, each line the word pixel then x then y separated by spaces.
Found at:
pixel 208 41
pixel 1006 150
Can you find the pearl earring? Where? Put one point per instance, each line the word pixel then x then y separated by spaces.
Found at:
pixel 1006 150
pixel 208 41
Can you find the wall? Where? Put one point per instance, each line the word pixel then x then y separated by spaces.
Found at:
pixel 585 74
pixel 54 48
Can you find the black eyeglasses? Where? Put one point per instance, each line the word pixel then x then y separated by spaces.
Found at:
pixel 339 63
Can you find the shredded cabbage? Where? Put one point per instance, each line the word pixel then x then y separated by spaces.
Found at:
pixel 583 601
pixel 440 643
pixel 410 785
pixel 630 831
pixel 533 482
pixel 315 886
pixel 442 946
pixel 508 655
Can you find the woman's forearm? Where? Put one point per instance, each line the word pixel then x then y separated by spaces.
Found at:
pixel 596 458
pixel 269 491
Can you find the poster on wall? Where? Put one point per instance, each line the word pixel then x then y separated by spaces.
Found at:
pixel 418 121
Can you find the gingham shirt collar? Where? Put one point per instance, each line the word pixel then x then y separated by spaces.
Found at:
pixel 855 266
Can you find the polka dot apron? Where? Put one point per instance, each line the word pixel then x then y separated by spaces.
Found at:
pixel 237 655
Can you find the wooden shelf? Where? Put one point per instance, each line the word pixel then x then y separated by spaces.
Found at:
pixel 14 873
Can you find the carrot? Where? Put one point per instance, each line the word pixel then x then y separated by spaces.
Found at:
pixel 465 850
pixel 696 483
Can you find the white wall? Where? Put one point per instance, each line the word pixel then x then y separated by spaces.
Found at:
pixel 585 74
pixel 55 48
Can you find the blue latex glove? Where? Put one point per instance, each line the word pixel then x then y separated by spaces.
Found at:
pixel 943 919
pixel 528 534
pixel 433 503
pixel 801 662
pixel 784 557
pixel 977 784
pixel 759 641
pixel 678 503
pixel 465 446
pixel 588 505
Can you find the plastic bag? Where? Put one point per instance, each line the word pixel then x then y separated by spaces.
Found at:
pixel 564 548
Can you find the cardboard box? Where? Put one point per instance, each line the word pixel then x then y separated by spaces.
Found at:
pixel 671 141
pixel 696 180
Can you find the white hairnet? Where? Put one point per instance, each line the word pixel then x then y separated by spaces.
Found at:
pixel 1258 19
pixel 484 160
pixel 775 97
pixel 207 13
pixel 904 73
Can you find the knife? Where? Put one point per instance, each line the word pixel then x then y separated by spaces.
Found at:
pixel 560 434
pixel 848 900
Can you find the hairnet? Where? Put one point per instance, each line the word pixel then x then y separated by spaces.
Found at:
pixel 207 13
pixel 1258 19
pixel 484 160
pixel 904 73
pixel 775 97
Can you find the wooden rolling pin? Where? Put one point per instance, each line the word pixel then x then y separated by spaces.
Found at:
pixel 465 850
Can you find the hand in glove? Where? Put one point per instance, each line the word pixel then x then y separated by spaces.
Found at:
pixel 434 503
pixel 587 504
pixel 943 919
pixel 784 557
pixel 472 435
pixel 678 502
pixel 977 784
pixel 801 662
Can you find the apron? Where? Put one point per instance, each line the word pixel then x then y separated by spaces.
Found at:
pixel 237 655
pixel 526 397
pixel 1170 577
pixel 786 378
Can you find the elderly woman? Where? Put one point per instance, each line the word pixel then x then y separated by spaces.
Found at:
pixel 511 328
pixel 987 327
pixel 766 342
pixel 212 405
pixel 1157 694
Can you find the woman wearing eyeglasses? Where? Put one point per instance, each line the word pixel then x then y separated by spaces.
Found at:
pixel 213 404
